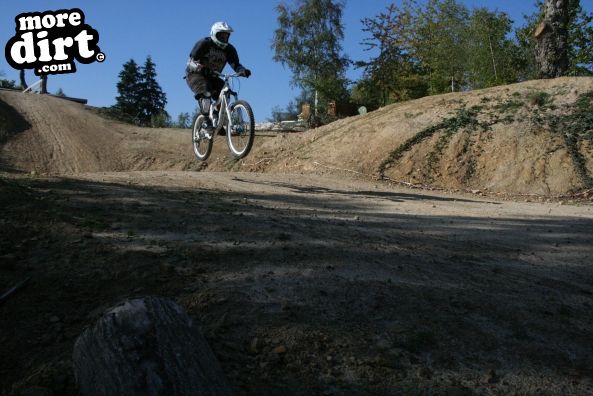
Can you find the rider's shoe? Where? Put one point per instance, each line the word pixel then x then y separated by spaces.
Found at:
pixel 208 129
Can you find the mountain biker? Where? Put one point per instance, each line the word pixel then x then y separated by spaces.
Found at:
pixel 211 54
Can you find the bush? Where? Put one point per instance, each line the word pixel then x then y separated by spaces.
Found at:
pixel 10 84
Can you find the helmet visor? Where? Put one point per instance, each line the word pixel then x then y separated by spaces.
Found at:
pixel 223 36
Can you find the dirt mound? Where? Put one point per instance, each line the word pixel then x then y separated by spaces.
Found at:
pixel 64 137
pixel 309 283
pixel 534 137
pixel 528 138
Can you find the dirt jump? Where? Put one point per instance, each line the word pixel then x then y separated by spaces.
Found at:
pixel 438 246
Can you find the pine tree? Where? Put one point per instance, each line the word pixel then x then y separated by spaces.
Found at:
pixel 141 99
pixel 128 87
pixel 152 99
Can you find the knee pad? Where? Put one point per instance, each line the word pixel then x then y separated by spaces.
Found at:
pixel 205 101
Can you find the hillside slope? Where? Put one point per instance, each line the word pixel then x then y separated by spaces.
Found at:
pixel 305 280
pixel 63 137
pixel 534 137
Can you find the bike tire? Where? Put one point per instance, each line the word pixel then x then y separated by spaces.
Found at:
pixel 201 139
pixel 241 135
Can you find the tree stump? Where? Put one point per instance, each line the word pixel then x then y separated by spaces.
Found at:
pixel 146 346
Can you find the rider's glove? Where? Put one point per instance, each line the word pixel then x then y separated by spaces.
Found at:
pixel 193 66
pixel 245 73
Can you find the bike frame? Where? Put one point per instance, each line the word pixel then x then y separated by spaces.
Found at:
pixel 240 131
pixel 224 102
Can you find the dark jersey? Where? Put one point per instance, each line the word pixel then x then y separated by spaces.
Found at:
pixel 207 53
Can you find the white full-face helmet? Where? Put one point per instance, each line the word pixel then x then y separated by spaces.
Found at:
pixel 217 28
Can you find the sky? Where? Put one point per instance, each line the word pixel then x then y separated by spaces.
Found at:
pixel 166 31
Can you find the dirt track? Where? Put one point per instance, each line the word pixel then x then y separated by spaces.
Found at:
pixel 307 285
pixel 303 283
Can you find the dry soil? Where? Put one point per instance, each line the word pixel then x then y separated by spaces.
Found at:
pixel 322 263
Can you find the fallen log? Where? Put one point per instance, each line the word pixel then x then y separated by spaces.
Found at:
pixel 146 346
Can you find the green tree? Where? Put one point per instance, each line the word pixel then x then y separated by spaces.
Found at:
pixel 279 114
pixel 183 121
pixel 392 75
pixel 308 41
pixel 435 47
pixel 141 99
pixel 128 87
pixel 11 84
pixel 580 40
pixel 527 66
pixel 491 55
pixel 151 99
pixel 438 44
pixel 160 120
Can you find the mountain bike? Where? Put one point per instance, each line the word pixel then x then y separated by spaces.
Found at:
pixel 234 119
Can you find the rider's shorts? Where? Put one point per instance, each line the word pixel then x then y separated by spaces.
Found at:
pixel 200 85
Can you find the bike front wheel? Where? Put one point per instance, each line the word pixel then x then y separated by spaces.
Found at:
pixel 241 130
pixel 201 138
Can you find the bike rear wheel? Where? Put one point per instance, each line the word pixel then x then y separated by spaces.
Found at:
pixel 201 138
pixel 241 130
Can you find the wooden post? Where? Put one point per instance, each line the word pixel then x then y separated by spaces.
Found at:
pixel 44 84
pixel 331 109
pixel 22 79
pixel 305 112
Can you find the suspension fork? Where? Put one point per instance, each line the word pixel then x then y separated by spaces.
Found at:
pixel 222 111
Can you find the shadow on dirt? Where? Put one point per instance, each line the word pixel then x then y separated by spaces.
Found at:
pixel 396 197
pixel 11 122
pixel 315 297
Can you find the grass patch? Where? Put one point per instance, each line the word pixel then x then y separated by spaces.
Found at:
pixel 463 119
pixel 576 126
pixel 511 105
pixel 539 99
pixel 436 154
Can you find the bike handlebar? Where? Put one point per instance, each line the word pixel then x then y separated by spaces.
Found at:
pixel 227 76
